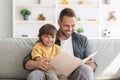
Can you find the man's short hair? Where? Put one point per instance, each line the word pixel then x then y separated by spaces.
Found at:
pixel 67 12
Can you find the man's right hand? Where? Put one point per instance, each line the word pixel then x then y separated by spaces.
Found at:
pixel 43 64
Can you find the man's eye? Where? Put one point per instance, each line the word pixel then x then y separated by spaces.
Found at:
pixel 73 25
pixel 53 37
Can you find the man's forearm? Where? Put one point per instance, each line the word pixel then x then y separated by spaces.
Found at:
pixel 31 65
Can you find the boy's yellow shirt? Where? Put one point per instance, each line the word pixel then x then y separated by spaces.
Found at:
pixel 45 52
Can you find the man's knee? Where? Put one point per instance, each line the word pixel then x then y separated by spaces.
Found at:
pixel 86 72
pixel 36 75
pixel 85 67
pixel 83 72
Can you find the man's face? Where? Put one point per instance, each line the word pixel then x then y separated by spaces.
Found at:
pixel 67 26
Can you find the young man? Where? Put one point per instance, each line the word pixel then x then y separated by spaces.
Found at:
pixel 72 43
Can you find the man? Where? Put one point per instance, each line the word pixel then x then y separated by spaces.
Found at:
pixel 72 43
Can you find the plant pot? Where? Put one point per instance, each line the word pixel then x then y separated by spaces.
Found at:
pixel 26 17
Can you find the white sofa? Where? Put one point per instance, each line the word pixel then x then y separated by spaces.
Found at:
pixel 13 50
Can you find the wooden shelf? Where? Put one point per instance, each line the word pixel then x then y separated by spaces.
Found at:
pixel 109 6
pixel 111 22
pixel 34 21
pixel 34 5
pixel 88 22
pixel 77 5
pixel 96 11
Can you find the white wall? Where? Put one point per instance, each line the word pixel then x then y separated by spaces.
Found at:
pixel 5 18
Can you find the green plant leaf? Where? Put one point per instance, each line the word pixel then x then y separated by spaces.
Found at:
pixel 25 12
pixel 80 30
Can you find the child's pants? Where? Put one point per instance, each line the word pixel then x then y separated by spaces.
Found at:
pixel 51 75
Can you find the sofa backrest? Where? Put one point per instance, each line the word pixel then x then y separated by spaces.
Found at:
pixel 13 50
pixel 107 59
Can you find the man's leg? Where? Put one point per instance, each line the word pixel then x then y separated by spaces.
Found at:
pixel 36 75
pixel 83 72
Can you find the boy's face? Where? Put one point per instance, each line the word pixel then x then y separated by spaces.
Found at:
pixel 48 40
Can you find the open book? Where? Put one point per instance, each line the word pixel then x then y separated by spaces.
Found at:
pixel 91 55
pixel 66 64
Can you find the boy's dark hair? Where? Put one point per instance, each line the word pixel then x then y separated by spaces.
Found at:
pixel 67 12
pixel 47 29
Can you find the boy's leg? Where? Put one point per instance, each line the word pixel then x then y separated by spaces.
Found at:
pixel 83 72
pixel 51 75
pixel 62 77
pixel 36 75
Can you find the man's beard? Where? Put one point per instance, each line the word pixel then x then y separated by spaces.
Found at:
pixel 64 34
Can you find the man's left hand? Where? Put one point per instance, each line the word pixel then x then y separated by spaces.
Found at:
pixel 90 62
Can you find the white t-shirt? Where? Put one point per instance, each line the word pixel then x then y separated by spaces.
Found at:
pixel 66 46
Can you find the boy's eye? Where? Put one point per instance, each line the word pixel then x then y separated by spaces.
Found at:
pixel 49 36
pixel 46 36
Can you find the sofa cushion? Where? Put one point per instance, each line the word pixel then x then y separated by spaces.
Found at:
pixel 108 58
pixel 12 52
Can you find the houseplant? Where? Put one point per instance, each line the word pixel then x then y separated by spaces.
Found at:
pixel 80 30
pixel 25 12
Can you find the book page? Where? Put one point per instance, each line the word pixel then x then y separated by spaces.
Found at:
pixel 91 55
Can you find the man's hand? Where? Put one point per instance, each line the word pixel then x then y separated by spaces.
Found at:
pixel 90 62
pixel 43 64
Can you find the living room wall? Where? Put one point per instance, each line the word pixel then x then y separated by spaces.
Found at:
pixel 5 18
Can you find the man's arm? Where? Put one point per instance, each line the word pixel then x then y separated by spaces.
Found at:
pixel 26 59
pixel 81 41
pixel 43 64
pixel 30 64
pixel 91 62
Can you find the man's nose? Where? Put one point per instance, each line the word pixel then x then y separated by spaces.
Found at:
pixel 70 28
